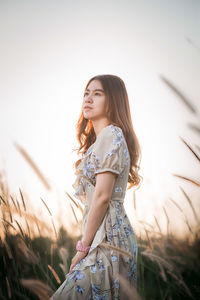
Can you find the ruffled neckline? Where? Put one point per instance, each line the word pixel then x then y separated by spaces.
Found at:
pixel 91 146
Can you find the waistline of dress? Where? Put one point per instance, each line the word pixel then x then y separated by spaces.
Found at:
pixel 117 200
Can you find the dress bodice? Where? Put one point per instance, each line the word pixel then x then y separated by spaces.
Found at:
pixel 108 153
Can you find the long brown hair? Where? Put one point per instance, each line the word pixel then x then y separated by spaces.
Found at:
pixel 118 113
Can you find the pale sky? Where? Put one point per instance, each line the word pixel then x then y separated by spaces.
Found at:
pixel 50 49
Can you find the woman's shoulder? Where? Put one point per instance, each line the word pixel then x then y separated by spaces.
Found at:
pixel 109 137
pixel 110 134
pixel 109 130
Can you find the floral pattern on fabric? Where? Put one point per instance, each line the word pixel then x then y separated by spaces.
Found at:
pixel 96 275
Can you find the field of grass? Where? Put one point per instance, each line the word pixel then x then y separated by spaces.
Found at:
pixel 33 265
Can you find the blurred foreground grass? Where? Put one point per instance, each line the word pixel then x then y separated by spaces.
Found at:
pixel 33 267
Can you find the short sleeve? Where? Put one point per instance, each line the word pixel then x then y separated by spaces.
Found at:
pixel 109 150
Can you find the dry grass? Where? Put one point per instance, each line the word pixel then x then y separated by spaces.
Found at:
pixel 42 290
pixel 130 291
pixel 30 161
pixel 157 250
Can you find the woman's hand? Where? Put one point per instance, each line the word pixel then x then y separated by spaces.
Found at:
pixel 75 260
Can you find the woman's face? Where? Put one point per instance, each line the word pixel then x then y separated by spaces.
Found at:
pixel 94 97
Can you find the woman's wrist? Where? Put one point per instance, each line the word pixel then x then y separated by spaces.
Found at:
pixel 81 247
pixel 85 244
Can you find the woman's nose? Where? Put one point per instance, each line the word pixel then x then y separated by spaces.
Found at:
pixel 88 99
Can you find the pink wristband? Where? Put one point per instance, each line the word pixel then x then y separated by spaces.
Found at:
pixel 80 247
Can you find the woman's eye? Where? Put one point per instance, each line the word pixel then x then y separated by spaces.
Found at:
pixel 86 93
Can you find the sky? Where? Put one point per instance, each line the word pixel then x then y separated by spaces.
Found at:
pixel 50 49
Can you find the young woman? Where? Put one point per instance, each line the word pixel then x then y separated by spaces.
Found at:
pixel 111 152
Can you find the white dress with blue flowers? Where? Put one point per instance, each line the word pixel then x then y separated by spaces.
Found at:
pixel 95 276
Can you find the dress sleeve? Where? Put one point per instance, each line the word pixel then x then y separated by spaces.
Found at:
pixel 110 151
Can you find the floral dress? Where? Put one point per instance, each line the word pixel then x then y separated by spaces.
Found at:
pixel 96 275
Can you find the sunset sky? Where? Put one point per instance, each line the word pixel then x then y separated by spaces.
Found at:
pixel 50 49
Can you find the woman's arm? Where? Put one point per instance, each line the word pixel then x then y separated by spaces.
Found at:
pixel 102 193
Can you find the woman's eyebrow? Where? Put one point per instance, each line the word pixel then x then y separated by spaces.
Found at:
pixel 96 90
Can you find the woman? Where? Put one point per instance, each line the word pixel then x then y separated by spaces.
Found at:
pixel 110 155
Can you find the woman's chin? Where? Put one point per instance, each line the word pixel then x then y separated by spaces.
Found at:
pixel 87 115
